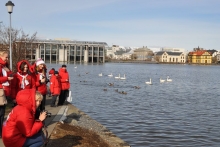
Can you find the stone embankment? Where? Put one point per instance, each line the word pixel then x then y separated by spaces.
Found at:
pixel 78 129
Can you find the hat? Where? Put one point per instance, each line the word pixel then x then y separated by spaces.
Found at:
pixel 39 61
pixel 56 72
pixel 63 65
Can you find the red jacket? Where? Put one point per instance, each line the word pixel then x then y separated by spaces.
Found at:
pixel 55 85
pixel 65 85
pixel 21 80
pixel 41 87
pixel 3 79
pixel 21 122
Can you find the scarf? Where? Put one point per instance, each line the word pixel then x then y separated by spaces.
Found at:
pixel 23 81
pixel 4 73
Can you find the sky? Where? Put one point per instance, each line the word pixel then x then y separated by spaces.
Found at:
pixel 154 23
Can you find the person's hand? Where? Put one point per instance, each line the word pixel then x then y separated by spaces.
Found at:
pixel 43 116
pixel 10 78
pixel 67 80
pixel 6 69
pixel 43 80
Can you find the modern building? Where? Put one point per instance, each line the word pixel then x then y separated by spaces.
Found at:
pixel 67 51
pixel 170 57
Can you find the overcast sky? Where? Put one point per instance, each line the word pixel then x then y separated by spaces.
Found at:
pixel 136 23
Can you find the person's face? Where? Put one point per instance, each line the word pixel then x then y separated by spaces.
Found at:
pixel 5 57
pixel 41 66
pixel 25 68
pixel 38 102
pixel 56 74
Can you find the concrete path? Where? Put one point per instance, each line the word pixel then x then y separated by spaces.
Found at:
pixel 50 122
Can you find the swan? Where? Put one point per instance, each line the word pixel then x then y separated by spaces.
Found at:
pixel 161 80
pixel 149 83
pixel 75 67
pixel 100 74
pixel 168 79
pixel 110 75
pixel 118 77
pixel 123 78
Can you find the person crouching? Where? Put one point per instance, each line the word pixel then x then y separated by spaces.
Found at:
pixel 21 129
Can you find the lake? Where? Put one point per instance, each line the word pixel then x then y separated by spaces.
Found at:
pixel 184 112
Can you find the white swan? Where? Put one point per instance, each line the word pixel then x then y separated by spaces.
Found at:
pixel 161 80
pixel 168 79
pixel 100 74
pixel 75 67
pixel 123 78
pixel 149 83
pixel 118 77
pixel 110 75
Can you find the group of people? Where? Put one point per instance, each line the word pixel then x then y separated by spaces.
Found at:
pixel 27 88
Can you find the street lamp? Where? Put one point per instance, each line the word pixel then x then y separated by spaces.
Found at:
pixel 9 6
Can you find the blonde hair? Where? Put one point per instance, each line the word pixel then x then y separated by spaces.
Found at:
pixel 38 96
pixel 3 52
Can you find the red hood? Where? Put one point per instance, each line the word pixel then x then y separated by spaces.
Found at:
pixel 26 98
pixel 3 62
pixel 62 70
pixel 19 64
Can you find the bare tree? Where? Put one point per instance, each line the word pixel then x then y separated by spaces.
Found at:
pixel 22 43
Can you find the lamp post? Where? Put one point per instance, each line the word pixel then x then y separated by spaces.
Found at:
pixel 9 6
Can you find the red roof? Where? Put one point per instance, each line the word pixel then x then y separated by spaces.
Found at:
pixel 198 53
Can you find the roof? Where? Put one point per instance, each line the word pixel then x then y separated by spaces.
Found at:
pixel 198 53
pixel 169 53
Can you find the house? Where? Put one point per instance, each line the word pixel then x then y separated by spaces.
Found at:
pixel 143 54
pixel 170 57
pixel 200 57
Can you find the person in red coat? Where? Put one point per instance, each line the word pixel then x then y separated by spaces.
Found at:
pixel 65 85
pixel 39 69
pixel 4 83
pixel 23 79
pixel 21 129
pixel 51 72
pixel 55 87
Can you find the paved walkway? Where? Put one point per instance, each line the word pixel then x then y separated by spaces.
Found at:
pixel 50 122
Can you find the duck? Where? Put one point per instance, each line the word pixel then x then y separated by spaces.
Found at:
pixel 149 82
pixel 137 87
pixel 104 89
pixel 123 92
pixel 123 78
pixel 162 81
pixel 110 75
pixel 116 90
pixel 100 74
pixel 168 79
pixel 111 84
pixel 118 77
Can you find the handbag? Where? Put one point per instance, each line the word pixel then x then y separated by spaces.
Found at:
pixel 3 99
pixel 69 98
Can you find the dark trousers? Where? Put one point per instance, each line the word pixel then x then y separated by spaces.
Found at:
pixel 2 114
pixel 54 98
pixel 43 103
pixel 35 141
pixel 62 97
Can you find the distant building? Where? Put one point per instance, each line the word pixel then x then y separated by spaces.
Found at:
pixel 167 49
pixel 118 52
pixel 200 57
pixel 143 53
pixel 68 51
pixel 170 57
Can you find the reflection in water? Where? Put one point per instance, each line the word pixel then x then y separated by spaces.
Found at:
pixel 184 112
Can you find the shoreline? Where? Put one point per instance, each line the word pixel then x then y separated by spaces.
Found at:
pixel 77 118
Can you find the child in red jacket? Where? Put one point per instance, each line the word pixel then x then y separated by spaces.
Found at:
pixel 55 87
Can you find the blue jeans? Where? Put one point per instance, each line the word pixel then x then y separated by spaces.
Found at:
pixel 35 141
